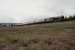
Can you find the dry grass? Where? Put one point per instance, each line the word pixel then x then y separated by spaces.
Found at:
pixel 49 36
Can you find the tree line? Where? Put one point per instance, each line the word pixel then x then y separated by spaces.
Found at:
pixel 70 18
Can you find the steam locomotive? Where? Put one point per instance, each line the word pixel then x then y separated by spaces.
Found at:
pixel 49 20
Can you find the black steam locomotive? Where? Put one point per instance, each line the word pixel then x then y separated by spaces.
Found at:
pixel 49 20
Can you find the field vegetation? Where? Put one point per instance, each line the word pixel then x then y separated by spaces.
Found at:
pixel 46 36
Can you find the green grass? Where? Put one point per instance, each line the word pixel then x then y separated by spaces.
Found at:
pixel 49 36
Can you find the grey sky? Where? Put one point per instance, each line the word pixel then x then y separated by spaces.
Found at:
pixel 30 10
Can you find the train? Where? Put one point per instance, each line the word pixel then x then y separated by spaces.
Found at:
pixel 49 20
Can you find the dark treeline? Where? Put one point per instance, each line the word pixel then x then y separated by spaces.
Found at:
pixel 70 18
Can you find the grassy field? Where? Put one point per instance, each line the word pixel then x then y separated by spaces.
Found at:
pixel 49 36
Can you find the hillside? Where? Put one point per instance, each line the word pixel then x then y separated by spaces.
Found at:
pixel 48 36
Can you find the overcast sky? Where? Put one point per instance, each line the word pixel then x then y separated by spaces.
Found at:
pixel 30 10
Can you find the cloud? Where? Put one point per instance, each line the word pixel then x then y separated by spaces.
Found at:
pixel 30 10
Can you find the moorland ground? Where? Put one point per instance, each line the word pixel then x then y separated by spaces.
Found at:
pixel 48 36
